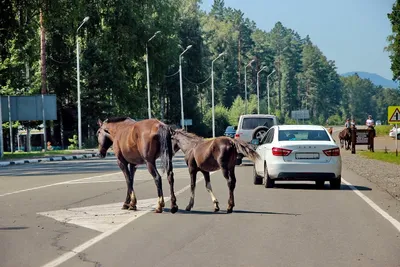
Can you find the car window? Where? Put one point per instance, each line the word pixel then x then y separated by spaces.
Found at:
pixel 303 135
pixel 251 123
pixel 269 136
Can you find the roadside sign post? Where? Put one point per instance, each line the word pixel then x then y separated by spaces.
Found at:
pixel 1 133
pixel 394 118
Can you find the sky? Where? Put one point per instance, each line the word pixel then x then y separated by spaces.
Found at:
pixel 351 32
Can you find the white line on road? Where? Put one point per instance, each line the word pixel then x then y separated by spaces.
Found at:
pixel 384 214
pixel 60 183
pixel 87 244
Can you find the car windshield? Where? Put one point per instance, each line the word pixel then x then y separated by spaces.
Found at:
pixel 303 135
pixel 251 123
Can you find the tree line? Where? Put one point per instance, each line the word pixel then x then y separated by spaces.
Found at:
pixel 38 55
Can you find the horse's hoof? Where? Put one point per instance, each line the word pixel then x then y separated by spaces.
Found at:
pixel 132 207
pixel 188 208
pixel 216 209
pixel 125 206
pixel 158 210
pixel 174 209
pixel 229 210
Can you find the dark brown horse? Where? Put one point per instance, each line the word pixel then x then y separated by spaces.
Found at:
pixel 211 155
pixel 345 138
pixel 135 143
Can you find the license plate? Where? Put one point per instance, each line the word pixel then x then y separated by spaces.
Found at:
pixel 307 155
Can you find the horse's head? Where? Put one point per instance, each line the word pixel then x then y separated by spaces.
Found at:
pixel 104 138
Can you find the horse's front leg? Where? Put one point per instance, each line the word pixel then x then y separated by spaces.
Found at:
pixel 193 177
pixel 151 166
pixel 123 165
pixel 209 189
pixel 132 171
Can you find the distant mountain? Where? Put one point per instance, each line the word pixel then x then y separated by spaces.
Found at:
pixel 374 78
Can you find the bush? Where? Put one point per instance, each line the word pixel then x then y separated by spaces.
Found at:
pixel 335 120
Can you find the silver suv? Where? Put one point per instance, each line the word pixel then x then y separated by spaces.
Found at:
pixel 253 126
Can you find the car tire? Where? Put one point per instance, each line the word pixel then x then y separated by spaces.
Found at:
pixel 257 179
pixel 259 133
pixel 320 184
pixel 336 183
pixel 398 136
pixel 269 183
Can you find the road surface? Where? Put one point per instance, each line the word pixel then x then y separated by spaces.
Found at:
pixel 68 213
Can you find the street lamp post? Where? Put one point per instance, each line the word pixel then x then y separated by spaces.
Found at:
pixel 148 75
pixel 79 85
pixel 245 86
pixel 180 81
pixel 258 88
pixel 269 110
pixel 212 93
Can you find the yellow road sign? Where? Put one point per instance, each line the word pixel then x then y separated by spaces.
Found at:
pixel 394 114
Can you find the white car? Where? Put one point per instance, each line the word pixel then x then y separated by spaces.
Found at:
pixel 298 152
pixel 393 133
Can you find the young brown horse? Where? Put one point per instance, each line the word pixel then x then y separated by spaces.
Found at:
pixel 345 137
pixel 211 155
pixel 137 143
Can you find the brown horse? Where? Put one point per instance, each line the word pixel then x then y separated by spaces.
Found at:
pixel 345 137
pixel 135 143
pixel 211 155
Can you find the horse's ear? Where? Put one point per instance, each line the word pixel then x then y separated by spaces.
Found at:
pixel 171 131
pixel 99 122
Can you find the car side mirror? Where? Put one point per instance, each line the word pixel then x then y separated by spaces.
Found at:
pixel 255 141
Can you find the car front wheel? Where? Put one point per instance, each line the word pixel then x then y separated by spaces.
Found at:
pixel 257 179
pixel 398 136
pixel 269 183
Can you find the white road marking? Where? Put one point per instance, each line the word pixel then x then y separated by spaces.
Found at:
pixel 101 218
pixel 60 183
pixel 372 204
pixel 66 256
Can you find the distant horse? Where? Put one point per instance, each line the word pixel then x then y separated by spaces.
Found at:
pixel 330 130
pixel 211 155
pixel 345 137
pixel 371 136
pixel 139 142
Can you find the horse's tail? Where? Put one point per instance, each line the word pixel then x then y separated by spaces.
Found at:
pixel 245 149
pixel 164 133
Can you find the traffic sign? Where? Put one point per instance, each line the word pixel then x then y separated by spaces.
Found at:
pixel 394 114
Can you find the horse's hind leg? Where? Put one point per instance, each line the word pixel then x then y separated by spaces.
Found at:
pixel 209 189
pixel 193 177
pixel 231 184
pixel 151 166
pixel 174 207
pixel 123 165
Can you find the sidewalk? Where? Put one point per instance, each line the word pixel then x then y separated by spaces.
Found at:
pixel 76 154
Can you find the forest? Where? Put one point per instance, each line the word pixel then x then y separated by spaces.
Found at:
pixel 38 56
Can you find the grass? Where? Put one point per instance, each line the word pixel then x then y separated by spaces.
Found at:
pixel 34 154
pixel 383 130
pixel 382 156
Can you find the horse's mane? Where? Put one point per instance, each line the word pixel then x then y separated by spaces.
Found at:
pixel 189 135
pixel 116 119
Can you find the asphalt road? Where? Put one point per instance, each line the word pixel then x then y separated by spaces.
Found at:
pixel 68 213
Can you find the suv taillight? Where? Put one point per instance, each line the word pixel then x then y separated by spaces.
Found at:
pixel 237 135
pixel 334 152
pixel 277 151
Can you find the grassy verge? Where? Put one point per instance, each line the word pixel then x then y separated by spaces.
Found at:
pixel 382 156
pixel 383 130
pixel 35 154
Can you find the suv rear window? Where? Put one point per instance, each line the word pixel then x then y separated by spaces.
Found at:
pixel 303 135
pixel 251 123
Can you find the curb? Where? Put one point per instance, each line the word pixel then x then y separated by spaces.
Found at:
pixel 57 158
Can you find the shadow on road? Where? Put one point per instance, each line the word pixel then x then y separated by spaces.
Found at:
pixel 13 228
pixel 314 187
pixel 223 212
